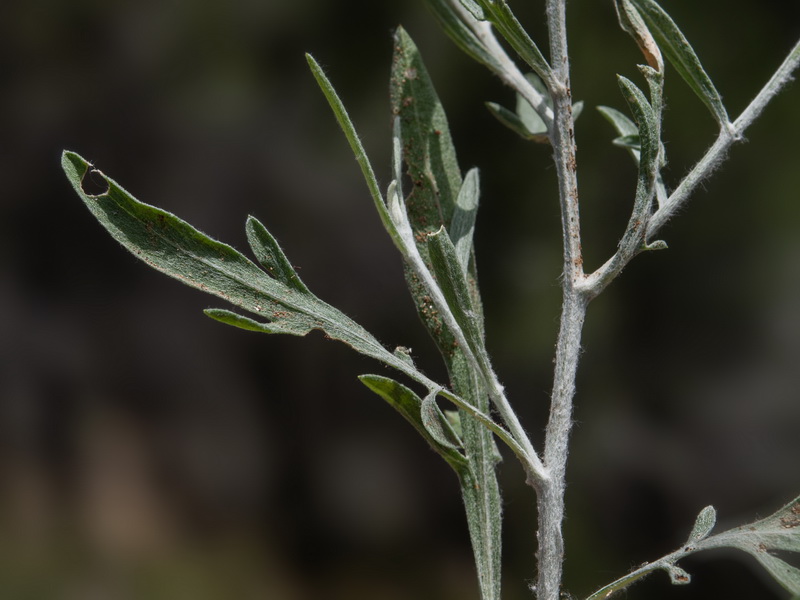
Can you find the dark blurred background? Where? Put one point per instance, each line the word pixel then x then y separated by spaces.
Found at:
pixel 147 452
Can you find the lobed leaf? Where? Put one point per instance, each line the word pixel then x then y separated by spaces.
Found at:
pixel 271 256
pixel 682 56
pixel 177 249
pixel 764 539
pixel 780 532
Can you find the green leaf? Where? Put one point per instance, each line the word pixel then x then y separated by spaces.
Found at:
pixel 177 249
pixel 629 139
pixel 461 34
pixel 649 129
pixel 427 146
pixel 287 325
pixel 500 15
pixel 533 122
pixel 430 157
pixel 454 286
pixel 510 119
pixel 462 226
pixel 350 133
pixel 620 121
pixel 764 539
pixel 409 405
pixel 780 532
pixel 436 201
pixel 703 524
pixel 577 109
pixel 476 473
pixel 631 22
pixel 624 127
pixel 437 424
pixel 527 122
pixel 648 126
pixel 271 256
pixel 682 56
pixel 473 8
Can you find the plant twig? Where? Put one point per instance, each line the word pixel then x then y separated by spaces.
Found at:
pixel 597 281
pixel 551 499
pixel 536 471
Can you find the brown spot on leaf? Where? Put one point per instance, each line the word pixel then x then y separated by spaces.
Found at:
pixel 790 522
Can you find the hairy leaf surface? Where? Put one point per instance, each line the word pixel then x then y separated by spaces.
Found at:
pixel 682 56
pixel 177 249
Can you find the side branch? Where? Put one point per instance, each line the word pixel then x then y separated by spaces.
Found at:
pixel 716 153
pixel 596 282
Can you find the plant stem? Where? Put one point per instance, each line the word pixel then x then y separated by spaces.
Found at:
pixel 551 497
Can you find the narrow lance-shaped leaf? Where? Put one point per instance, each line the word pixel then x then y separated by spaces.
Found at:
pixel 409 405
pixel 177 249
pixel 631 22
pixel 682 56
pixel 628 138
pixel 463 223
pixel 461 34
pixel 649 127
pixel 526 121
pixel 474 9
pixel 453 283
pixel 511 120
pixel 501 16
pixel 429 154
pixel 350 133
pixel 427 146
pixel 533 122
pixel 436 423
pixel 271 256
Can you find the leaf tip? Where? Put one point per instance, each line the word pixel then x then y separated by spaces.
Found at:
pixel 703 524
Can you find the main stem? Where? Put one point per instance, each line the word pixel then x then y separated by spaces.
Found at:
pixel 551 495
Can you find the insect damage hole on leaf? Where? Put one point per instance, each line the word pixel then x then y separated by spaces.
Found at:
pixel 93 182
